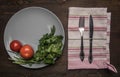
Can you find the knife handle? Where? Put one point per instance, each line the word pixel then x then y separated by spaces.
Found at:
pixel 90 58
pixel 82 48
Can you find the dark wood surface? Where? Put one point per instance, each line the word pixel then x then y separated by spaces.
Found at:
pixel 60 8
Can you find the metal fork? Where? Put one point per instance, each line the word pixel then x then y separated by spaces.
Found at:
pixel 81 29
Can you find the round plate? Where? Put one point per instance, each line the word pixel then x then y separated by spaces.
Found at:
pixel 28 26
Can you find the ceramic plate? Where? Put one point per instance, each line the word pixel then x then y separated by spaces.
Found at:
pixel 28 26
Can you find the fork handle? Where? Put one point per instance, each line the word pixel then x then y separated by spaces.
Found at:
pixel 82 48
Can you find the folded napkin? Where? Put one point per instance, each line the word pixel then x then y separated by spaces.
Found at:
pixel 101 39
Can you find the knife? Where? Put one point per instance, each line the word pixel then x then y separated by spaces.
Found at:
pixel 90 58
pixel 81 29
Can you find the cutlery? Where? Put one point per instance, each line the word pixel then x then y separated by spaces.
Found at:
pixel 90 58
pixel 81 29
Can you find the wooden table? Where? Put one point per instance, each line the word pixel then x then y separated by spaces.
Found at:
pixel 10 7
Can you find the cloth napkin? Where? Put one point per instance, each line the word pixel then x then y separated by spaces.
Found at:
pixel 101 39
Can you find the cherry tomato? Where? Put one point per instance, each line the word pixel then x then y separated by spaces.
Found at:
pixel 15 45
pixel 26 52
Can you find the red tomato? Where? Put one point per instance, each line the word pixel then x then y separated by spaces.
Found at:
pixel 26 52
pixel 15 45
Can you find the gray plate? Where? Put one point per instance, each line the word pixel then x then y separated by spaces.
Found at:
pixel 28 26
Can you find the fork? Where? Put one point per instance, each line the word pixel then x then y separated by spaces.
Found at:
pixel 81 29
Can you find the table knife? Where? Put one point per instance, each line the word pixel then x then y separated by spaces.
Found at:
pixel 81 29
pixel 90 58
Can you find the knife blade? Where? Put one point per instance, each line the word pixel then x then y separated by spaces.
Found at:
pixel 81 29
pixel 90 58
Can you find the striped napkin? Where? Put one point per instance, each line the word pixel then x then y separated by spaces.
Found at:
pixel 101 39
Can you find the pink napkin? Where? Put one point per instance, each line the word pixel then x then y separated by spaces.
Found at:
pixel 101 39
